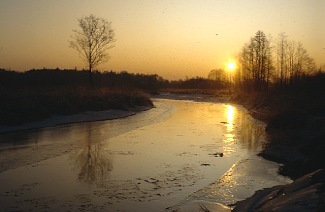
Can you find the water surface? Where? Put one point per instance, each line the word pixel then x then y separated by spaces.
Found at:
pixel 147 162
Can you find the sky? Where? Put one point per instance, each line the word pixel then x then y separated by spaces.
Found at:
pixel 172 38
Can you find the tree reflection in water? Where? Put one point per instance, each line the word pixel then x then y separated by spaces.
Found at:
pixel 251 132
pixel 242 127
pixel 92 161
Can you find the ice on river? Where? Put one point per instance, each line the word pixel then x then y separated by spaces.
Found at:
pixel 176 156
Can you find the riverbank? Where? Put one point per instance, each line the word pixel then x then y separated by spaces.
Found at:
pixel 296 134
pixel 24 106
pixel 304 194
pixel 41 94
pixel 88 116
pixel 295 127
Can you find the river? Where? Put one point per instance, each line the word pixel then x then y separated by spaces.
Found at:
pixel 178 156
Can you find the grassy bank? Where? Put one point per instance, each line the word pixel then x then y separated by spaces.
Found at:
pixel 40 94
pixel 21 106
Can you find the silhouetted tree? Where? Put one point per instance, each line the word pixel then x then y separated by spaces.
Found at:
pixel 218 75
pixel 282 54
pixel 303 64
pixel 256 60
pixel 293 60
pixel 92 41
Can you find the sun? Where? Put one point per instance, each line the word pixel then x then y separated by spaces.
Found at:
pixel 231 66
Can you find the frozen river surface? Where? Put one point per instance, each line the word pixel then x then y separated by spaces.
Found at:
pixel 178 156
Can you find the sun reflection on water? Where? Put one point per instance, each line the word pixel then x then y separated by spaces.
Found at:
pixel 230 114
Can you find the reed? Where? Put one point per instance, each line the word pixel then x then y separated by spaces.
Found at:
pixel 25 104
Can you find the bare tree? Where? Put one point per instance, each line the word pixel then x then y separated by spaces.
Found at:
pixel 293 60
pixel 282 48
pixel 256 60
pixel 304 63
pixel 92 41
pixel 218 75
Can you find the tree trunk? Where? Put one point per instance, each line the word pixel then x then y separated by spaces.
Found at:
pixel 91 83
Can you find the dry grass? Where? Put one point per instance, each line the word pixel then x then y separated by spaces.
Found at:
pixel 19 105
pixel 210 92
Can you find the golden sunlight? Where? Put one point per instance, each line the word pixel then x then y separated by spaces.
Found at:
pixel 230 114
pixel 231 66
pixel 230 118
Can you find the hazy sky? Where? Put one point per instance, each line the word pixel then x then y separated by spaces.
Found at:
pixel 171 38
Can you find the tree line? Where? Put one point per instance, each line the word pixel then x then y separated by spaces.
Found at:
pixel 38 94
pixel 72 78
pixel 261 62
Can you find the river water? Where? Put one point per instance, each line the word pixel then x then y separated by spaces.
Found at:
pixel 177 156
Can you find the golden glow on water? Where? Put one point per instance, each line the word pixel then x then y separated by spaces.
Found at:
pixel 230 118
pixel 148 161
pixel 230 115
